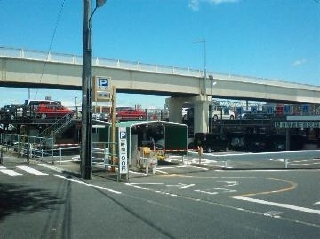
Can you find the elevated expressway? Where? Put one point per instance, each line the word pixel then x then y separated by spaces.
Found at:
pixel 35 69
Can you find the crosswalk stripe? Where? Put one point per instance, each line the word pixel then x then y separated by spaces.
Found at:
pixel 32 170
pixel 9 172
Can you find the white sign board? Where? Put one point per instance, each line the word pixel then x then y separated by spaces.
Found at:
pixel 123 159
pixel 297 124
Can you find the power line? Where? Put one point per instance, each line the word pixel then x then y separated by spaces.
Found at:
pixel 52 39
pixel 57 23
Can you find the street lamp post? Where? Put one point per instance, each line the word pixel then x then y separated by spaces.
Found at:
pixel 75 106
pixel 203 90
pixel 212 83
pixel 86 127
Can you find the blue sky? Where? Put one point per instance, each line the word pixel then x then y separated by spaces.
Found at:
pixel 271 39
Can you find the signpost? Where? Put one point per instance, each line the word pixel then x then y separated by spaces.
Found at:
pixel 123 158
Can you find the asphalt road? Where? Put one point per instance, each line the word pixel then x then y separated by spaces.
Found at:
pixel 39 202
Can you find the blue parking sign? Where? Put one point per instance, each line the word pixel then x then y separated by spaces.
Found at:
pixel 305 108
pixel 269 109
pixel 286 109
pixel 254 109
pixel 239 110
pixel 103 82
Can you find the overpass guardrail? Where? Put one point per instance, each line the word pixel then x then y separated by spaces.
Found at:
pixel 283 156
pixel 136 65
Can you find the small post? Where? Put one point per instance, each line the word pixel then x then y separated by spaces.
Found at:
pixel 28 152
pixel 200 152
pixel 60 156
pixel 1 156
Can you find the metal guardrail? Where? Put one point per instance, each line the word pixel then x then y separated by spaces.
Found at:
pixel 286 156
pixel 131 65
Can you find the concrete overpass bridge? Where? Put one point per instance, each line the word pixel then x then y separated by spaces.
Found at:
pixel 36 69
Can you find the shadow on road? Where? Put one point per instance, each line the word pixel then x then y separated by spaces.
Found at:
pixel 17 199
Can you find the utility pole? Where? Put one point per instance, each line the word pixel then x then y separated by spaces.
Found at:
pixel 86 127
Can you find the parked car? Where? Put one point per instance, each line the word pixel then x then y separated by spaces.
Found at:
pixel 210 142
pixel 12 111
pixel 128 113
pixel 52 111
pixel 30 106
pixel 219 112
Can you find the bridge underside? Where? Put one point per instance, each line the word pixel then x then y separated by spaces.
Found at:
pixel 12 84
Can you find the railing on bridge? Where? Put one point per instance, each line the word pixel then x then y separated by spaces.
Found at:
pixel 131 65
pixel 74 59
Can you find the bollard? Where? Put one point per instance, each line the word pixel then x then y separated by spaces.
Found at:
pixel 1 156
pixel 200 153
pixel 60 156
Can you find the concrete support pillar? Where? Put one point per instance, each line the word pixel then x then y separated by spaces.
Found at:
pixel 201 111
pixel 201 115
pixel 175 108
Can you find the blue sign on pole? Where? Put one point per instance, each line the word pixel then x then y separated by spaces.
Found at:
pixel 239 111
pixel 269 109
pixel 286 109
pixel 305 109
pixel 254 109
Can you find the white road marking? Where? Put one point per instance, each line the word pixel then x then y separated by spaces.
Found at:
pixel 145 183
pixel 230 183
pixel 274 214
pixel 206 169
pixel 288 206
pixel 181 185
pixel 160 171
pixel 32 170
pixel 9 172
pixel 150 189
pixel 52 167
pixel 88 184
pixel 206 192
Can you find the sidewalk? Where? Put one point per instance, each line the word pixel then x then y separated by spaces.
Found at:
pixel 72 165
pixel 172 165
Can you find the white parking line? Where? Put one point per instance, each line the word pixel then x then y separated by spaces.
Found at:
pixel 32 170
pixel 288 206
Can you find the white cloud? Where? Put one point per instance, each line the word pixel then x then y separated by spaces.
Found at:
pixel 194 4
pixel 222 1
pixel 299 62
